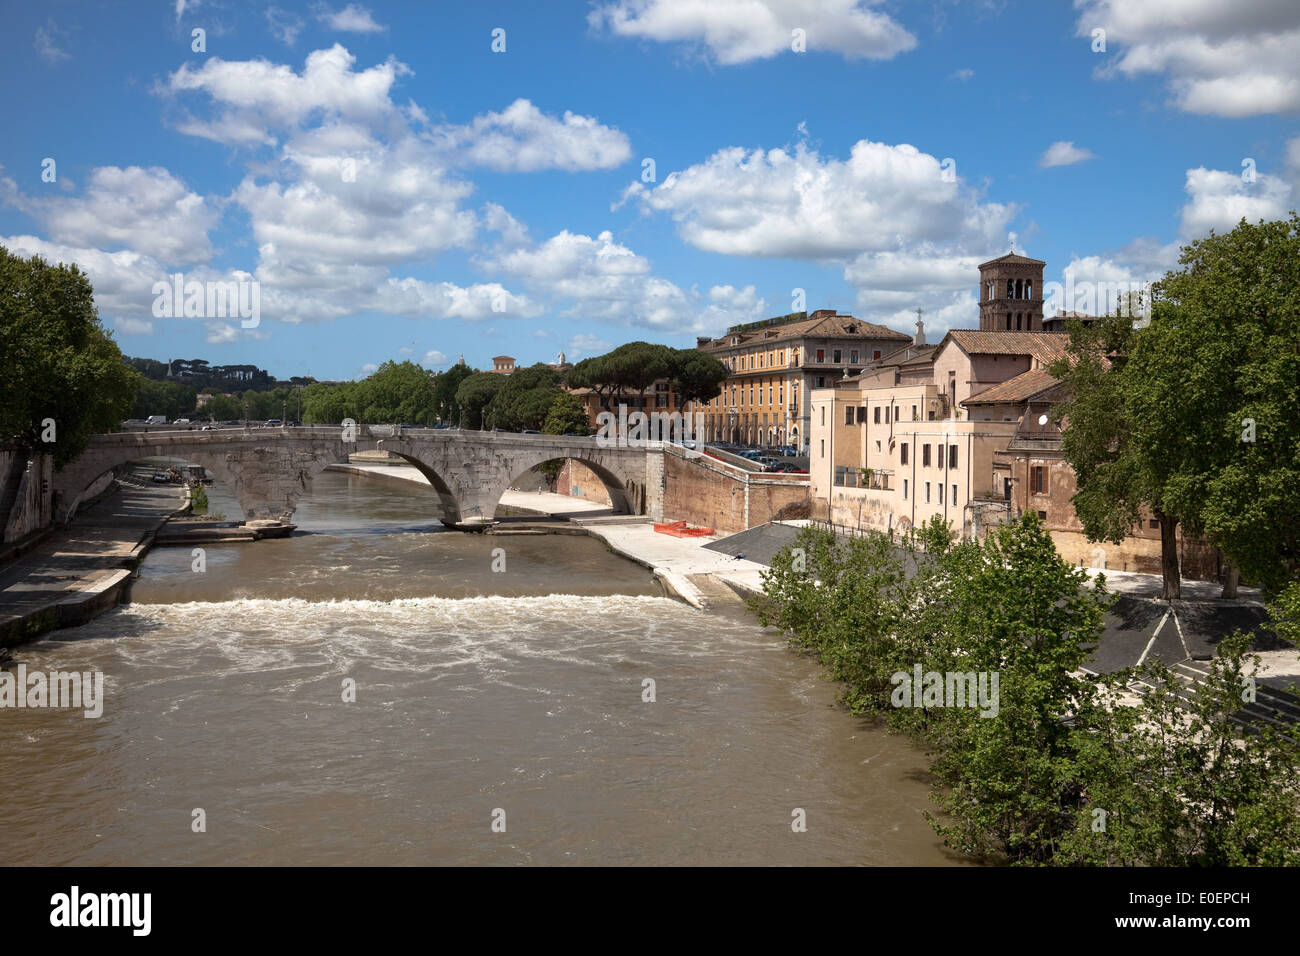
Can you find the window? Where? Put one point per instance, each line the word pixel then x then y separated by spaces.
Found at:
pixel 941 492
pixel 875 415
pixel 823 414
pixel 925 455
pixel 927 492
pixel 848 415
pixel 853 357
pixel 914 418
pixel 1037 479
pixel 952 456
pixel 953 499
pixel 821 355
pixel 821 381
pixel 1008 321
pixel 886 414
pixel 1042 516
pixel 902 453
pixel 862 414
pixel 836 356
pixel 823 444
pixel 904 489
pixel 875 354
pixel 1154 523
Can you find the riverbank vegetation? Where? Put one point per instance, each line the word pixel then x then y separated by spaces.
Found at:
pixel 64 376
pixel 1060 766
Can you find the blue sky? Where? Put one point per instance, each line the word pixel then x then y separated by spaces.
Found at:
pixel 398 189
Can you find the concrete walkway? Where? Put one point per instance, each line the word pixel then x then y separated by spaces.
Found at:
pixel 683 564
pixel 77 572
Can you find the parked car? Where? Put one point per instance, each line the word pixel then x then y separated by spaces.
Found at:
pixel 273 423
pixel 530 431
pixel 156 420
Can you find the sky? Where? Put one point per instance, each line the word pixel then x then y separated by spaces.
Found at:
pixel 424 180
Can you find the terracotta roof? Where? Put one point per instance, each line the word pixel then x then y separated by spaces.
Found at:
pixel 1014 259
pixel 1044 346
pixel 827 325
pixel 1019 389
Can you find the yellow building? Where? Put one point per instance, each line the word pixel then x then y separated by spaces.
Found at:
pixel 773 366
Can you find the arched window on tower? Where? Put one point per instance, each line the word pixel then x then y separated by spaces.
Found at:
pixel 1029 288
pixel 1018 322
pixel 1011 288
pixel 1008 321
pixel 1018 289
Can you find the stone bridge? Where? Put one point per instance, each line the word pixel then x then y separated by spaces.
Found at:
pixel 269 469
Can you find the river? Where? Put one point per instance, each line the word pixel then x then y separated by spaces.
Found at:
pixel 480 695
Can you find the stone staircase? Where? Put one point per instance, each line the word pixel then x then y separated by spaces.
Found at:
pixel 1271 707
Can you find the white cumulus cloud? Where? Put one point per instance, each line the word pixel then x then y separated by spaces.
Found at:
pixel 738 31
pixel 1064 153
pixel 1222 59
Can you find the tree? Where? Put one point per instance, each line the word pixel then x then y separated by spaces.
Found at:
pixel 163 398
pixel 525 397
pixel 445 384
pixel 1197 415
pixel 474 395
pixel 567 415
pixel 396 392
pixel 696 376
pixel 59 364
pixel 1055 766
pixel 1225 337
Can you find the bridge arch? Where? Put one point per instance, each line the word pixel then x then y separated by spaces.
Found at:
pixel 622 491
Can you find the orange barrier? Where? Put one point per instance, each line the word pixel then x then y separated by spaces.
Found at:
pixel 678 529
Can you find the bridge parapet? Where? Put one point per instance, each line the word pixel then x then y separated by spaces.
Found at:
pixel 269 469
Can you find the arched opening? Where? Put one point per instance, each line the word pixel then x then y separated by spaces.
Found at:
pixel 564 487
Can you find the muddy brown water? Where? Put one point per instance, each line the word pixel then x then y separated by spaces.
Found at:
pixel 513 696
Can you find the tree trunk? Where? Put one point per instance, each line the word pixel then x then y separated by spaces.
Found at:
pixel 1169 557
pixel 1231 577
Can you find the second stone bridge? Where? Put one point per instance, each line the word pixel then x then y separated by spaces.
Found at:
pixel 269 469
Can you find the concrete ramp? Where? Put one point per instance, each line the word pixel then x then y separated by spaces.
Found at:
pixel 757 544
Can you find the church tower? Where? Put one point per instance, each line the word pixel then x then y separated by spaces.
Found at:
pixel 1011 294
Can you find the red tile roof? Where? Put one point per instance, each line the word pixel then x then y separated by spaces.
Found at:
pixel 1044 346
pixel 1019 389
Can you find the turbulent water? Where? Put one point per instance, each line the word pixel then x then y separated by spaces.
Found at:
pixel 482 697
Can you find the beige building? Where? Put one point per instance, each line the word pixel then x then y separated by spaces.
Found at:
pixel 773 366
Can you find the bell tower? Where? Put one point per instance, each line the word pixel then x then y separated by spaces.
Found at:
pixel 1011 294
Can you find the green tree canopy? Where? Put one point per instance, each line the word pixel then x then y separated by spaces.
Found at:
pixel 695 376
pixel 163 398
pixel 526 396
pixel 58 362
pixel 445 385
pixel 1197 415
pixel 566 415
pixel 474 395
